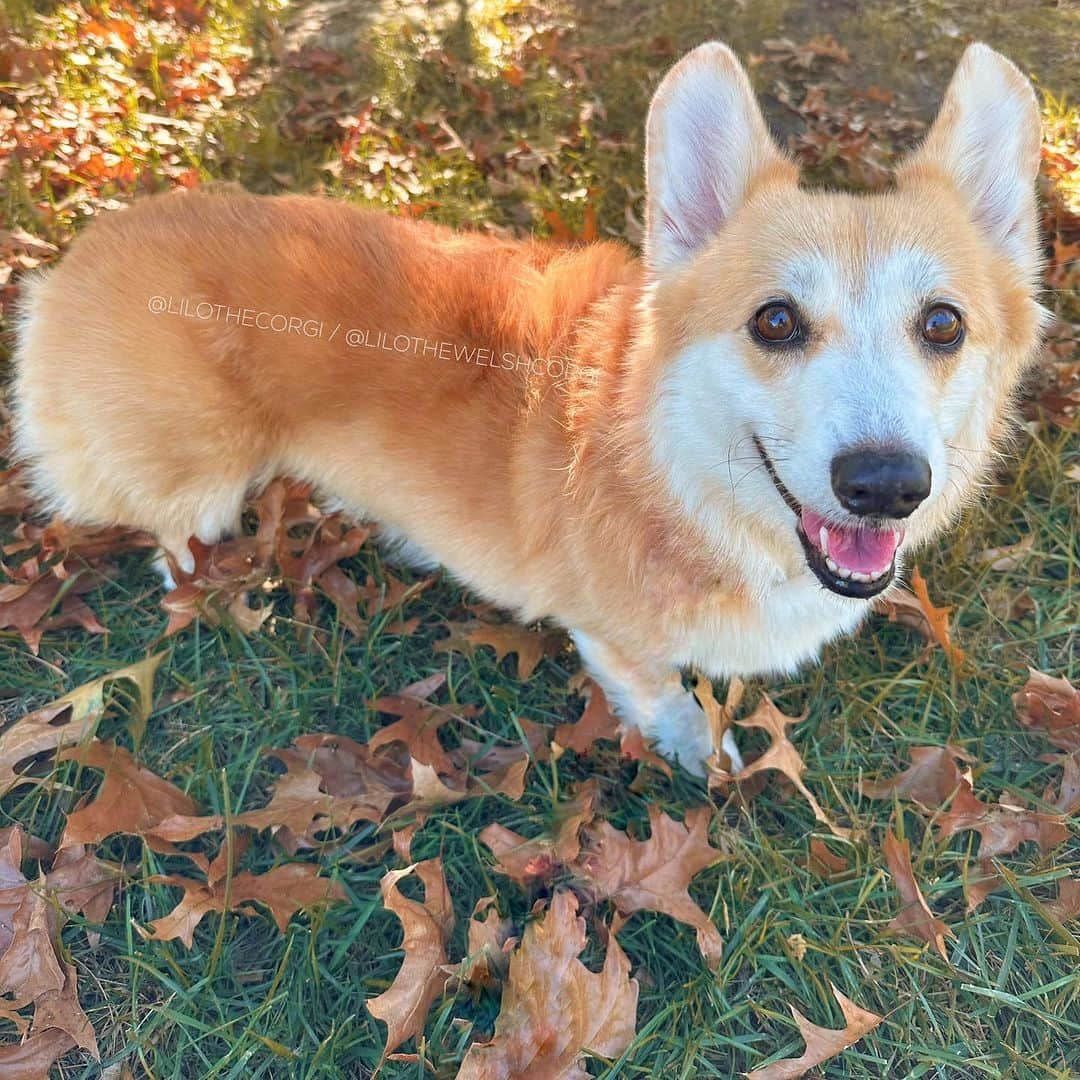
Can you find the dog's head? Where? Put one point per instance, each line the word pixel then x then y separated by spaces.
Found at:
pixel 836 367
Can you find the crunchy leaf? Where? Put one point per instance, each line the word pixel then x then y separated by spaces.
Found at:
pixel 1010 556
pixel 1002 826
pixel 285 890
pixel 84 884
pixel 632 745
pixel 930 779
pixel 720 718
pixel 429 789
pixel 1067 905
pixel 131 800
pixel 71 719
pixel 554 1010
pixel 822 862
pixel 919 613
pixel 596 722
pixel 1051 706
pixel 783 756
pixel 489 942
pixel 420 979
pixel 821 1043
pixel 419 723
pixel 654 874
pixel 916 918
pixel 531 646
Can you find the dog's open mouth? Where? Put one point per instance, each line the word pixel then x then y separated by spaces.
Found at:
pixel 857 561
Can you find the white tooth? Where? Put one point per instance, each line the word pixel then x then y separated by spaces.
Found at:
pixel 844 572
pixel 823 537
pixel 832 566
pixel 858 575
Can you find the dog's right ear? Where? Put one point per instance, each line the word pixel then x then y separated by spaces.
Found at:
pixel 706 143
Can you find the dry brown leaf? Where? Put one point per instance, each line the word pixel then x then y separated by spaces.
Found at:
pixel 419 723
pixel 71 719
pixel 632 745
pixel 531 646
pixel 540 856
pixel 822 862
pixel 720 718
pixel 1067 905
pixel 554 1010
pixel 1010 556
pixel 783 756
pixel 429 789
pixel 655 874
pixel 1002 826
pixel 34 1058
pixel 930 779
pixel 596 722
pixel 420 979
pixel 1051 706
pixel 489 943
pixel 84 884
pixel 915 918
pixel 821 1043
pixel 285 890
pixel 920 614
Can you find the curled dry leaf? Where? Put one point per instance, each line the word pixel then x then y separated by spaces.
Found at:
pixel 720 718
pixel 783 756
pixel 1050 706
pixel 822 862
pixel 821 1043
pixel 285 890
pixel 596 722
pixel 654 874
pixel 83 884
pixel 1067 905
pixel 418 724
pixel 914 609
pixel 420 979
pixel 1003 826
pixel 489 943
pixel 915 918
pixel 930 779
pixel 531 646
pixel 554 1010
pixel 1010 556
pixel 71 719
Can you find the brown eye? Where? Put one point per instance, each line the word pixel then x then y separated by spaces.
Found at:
pixel 943 326
pixel 776 323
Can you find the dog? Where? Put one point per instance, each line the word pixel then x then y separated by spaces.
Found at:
pixel 711 457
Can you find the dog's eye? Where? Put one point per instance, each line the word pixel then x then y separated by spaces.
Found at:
pixel 943 326
pixel 776 323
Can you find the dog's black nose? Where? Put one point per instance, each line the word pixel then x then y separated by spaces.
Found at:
pixel 890 483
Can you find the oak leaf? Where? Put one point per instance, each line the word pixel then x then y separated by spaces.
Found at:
pixel 596 722
pixel 554 1010
pixel 418 724
pixel 915 609
pixel 821 1043
pixel 531 646
pixel 1050 706
pixel 655 874
pixel 916 918
pixel 284 890
pixel 71 719
pixel 783 756
pixel 930 780
pixel 421 978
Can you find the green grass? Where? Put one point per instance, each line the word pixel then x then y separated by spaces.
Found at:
pixel 1007 1005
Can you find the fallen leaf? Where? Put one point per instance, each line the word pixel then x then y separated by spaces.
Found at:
pixel 554 1010
pixel 720 718
pixel 420 979
pixel 419 723
pixel 1002 826
pixel 919 613
pixel 531 646
pixel 71 719
pixel 654 874
pixel 84 884
pixel 1067 905
pixel 632 745
pixel 489 942
pixel 915 918
pixel 1010 556
pixel 783 756
pixel 930 779
pixel 821 1043
pixel 1051 706
pixel 822 862
pixel 284 890
pixel 596 722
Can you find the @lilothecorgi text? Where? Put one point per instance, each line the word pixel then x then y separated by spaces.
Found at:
pixel 272 322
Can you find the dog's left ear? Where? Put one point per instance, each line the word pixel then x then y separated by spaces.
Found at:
pixel 706 143
pixel 986 140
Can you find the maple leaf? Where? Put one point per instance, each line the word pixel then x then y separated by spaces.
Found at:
pixel 1051 706
pixel 783 756
pixel 821 1043
pixel 489 942
pixel 420 979
pixel 71 719
pixel 919 613
pixel 531 646
pixel 916 918
pixel 554 1010
pixel 654 874
pixel 284 890
pixel 596 722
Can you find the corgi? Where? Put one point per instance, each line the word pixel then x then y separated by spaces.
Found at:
pixel 711 457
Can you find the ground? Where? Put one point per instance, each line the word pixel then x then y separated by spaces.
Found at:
pixel 526 118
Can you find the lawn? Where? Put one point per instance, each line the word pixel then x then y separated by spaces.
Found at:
pixel 518 119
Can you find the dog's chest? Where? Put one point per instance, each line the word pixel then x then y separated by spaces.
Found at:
pixel 786 629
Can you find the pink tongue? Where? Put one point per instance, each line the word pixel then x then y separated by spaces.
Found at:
pixel 865 551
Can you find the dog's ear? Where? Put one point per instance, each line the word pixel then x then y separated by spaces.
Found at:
pixel 986 140
pixel 706 143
